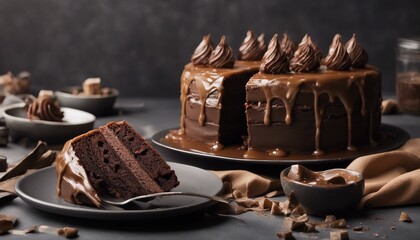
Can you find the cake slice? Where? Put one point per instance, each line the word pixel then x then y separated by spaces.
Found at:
pixel 111 160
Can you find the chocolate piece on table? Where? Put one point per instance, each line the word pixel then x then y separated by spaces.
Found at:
pixel 4 136
pixel 3 163
pixel 6 223
pixel 404 217
pixel 287 235
pixel 339 235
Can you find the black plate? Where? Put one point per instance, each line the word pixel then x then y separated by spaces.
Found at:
pixel 393 138
pixel 39 190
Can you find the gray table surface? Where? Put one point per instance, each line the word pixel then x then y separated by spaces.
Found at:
pixel 149 116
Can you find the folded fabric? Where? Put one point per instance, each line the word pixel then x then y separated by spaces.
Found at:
pixel 391 178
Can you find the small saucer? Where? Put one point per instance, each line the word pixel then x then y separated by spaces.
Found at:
pixel 75 122
pixel 99 105
pixel 325 199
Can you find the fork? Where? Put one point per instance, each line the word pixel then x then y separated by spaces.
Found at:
pixel 148 197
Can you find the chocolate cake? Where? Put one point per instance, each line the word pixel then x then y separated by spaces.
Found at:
pixel 298 106
pixel 112 160
pixel 295 102
pixel 213 94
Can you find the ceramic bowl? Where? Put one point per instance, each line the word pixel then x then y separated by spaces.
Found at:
pixel 75 122
pixel 98 105
pixel 321 200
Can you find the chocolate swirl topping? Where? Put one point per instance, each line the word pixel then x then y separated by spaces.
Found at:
pixel 262 44
pixel 222 56
pixel 288 46
pixel 357 54
pixel 305 58
pixel 250 48
pixel 203 51
pixel 337 58
pixel 45 109
pixel 274 60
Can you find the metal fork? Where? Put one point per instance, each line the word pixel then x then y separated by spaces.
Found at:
pixel 149 197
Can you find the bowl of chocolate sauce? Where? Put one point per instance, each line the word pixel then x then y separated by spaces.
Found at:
pixel 334 191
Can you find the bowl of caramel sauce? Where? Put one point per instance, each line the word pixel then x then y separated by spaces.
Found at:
pixel 334 191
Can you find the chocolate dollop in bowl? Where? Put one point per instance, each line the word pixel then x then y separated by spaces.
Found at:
pixel 75 122
pixel 98 105
pixel 334 191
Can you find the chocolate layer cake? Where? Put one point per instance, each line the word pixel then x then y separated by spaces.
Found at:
pixel 213 95
pixel 113 160
pixel 296 106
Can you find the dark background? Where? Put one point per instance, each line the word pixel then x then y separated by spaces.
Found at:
pixel 140 47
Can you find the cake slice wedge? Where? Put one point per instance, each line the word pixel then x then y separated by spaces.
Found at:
pixel 111 160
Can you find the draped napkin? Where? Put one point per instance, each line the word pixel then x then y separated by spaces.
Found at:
pixel 391 179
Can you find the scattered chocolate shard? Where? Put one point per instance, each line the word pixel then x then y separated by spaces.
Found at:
pixel 32 229
pixel 339 223
pixel 297 212
pixel 339 235
pixel 330 218
pixel 275 209
pixel 358 228
pixel 3 163
pixel 68 232
pixel 237 194
pixel 291 224
pixel 393 227
pixel 287 235
pixel 6 223
pixel 405 218
pixel 309 227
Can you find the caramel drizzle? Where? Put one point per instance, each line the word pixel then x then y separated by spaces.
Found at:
pixel 289 87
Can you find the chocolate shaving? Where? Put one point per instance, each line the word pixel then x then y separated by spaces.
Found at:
pixel 404 217
pixel 6 223
pixel 287 235
pixel 339 235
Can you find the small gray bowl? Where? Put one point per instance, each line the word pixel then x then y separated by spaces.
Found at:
pixel 321 200
pixel 99 105
pixel 75 122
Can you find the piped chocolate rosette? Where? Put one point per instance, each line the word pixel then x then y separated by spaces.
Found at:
pixel 45 108
pixel 306 57
pixel 252 49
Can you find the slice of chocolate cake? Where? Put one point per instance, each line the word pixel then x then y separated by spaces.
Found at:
pixel 112 160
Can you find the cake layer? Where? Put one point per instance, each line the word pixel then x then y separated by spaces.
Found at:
pixel 214 97
pixel 314 112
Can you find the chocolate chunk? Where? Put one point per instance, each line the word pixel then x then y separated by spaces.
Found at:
pixel 339 235
pixel 4 136
pixel 3 163
pixel 6 223
pixel 404 217
pixel 287 235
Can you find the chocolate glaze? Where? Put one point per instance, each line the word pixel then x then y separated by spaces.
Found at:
pixel 355 95
pixel 328 178
pixel 72 181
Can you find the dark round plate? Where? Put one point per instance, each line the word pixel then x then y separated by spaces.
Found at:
pixel 39 190
pixel 392 138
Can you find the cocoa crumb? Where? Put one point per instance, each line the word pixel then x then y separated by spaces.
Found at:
pixel 405 218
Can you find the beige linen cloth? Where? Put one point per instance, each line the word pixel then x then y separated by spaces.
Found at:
pixel 391 178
